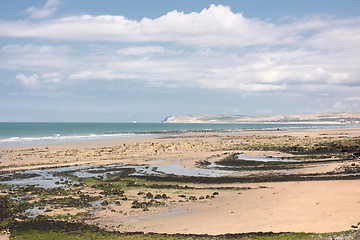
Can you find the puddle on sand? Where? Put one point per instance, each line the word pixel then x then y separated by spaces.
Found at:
pixel 33 212
pixel 177 169
pixel 266 158
pixel 55 177
pixel 47 178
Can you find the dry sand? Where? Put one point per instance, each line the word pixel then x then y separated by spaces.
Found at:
pixel 324 206
pixel 316 206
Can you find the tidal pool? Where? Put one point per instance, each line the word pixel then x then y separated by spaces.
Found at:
pixel 266 158
pixel 60 177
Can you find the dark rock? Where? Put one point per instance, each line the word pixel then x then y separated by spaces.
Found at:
pixel 135 204
pixel 149 195
pixel 158 196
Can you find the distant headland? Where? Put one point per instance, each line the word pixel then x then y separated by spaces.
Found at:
pixel 326 118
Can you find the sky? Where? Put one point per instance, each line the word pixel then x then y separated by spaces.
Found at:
pixel 141 60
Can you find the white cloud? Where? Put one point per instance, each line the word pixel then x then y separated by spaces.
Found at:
pixel 30 48
pixel 141 50
pixel 259 71
pixel 35 82
pixel 51 77
pixel 31 82
pixel 342 34
pixel 50 7
pixel 35 57
pixel 214 26
pixel 353 99
pixel 212 49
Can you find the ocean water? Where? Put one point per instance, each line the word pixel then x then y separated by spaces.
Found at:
pixel 26 133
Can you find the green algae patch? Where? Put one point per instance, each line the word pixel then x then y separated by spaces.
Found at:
pixel 58 230
pixel 42 228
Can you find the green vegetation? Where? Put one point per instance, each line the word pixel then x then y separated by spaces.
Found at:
pixel 41 228
pixel 346 148
pixel 10 210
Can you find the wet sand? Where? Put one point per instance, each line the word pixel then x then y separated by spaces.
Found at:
pixel 308 206
pixel 191 147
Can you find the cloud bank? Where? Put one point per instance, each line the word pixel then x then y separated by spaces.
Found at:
pixel 213 26
pixel 211 49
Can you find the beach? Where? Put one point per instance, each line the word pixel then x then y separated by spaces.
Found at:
pixel 317 195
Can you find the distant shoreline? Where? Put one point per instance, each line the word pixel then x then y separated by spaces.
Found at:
pixel 288 123
pixel 322 118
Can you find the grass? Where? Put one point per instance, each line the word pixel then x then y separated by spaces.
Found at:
pixel 91 234
pixel 43 229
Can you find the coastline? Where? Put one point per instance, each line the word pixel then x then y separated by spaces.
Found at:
pixel 296 206
pixel 22 134
pixel 137 148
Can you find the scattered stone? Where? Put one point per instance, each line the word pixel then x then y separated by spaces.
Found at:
pixel 192 198
pixel 149 195
pixel 158 196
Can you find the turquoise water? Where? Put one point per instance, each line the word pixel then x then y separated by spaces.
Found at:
pixel 13 134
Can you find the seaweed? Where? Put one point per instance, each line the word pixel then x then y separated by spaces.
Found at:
pixel 11 209
pixel 44 228
pixel 81 202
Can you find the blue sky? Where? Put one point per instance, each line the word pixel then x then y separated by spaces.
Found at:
pixel 123 61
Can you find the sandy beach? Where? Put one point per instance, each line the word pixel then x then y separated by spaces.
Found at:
pixel 326 206
pixel 279 206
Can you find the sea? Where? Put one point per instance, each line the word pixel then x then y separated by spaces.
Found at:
pixel 35 133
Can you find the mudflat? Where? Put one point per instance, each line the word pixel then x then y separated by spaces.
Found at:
pixel 307 182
